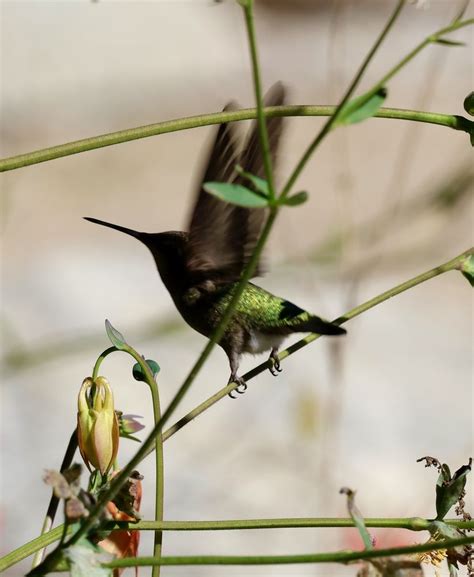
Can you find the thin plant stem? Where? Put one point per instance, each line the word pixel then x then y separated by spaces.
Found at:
pixel 431 39
pixel 332 119
pixel 262 127
pixel 100 358
pixel 335 557
pixel 109 139
pixel 54 501
pixel 158 446
pixel 410 523
pixel 159 473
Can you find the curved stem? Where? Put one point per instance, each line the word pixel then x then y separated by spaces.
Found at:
pixel 121 136
pixel 159 462
pixel 336 557
pixel 100 358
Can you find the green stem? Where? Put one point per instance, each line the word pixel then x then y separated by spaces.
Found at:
pixel 159 469
pixel 262 127
pixel 432 38
pixel 450 265
pixel 100 358
pixel 336 557
pixel 158 448
pixel 410 523
pixel 332 119
pixel 121 136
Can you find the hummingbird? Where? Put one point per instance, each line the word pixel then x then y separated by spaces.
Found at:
pixel 202 266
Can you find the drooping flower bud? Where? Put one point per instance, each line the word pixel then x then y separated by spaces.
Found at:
pixel 97 424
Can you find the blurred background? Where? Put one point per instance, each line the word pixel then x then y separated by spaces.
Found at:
pixel 388 200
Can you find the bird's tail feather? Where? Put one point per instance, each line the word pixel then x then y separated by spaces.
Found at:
pixel 320 326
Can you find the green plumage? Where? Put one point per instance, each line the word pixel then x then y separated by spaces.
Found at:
pixel 260 310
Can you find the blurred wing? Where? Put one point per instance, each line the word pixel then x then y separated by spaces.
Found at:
pixel 222 236
pixel 207 249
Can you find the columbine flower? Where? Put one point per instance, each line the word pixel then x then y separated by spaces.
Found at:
pixel 97 424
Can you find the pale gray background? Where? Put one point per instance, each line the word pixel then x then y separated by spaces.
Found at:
pixel 398 387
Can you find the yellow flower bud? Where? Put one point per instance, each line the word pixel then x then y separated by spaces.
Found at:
pixel 97 424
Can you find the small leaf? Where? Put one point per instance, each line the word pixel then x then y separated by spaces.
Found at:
pixel 236 194
pixel 116 338
pixel 261 185
pixel 467 268
pixel 446 42
pixel 450 489
pixel 469 104
pixel 296 199
pixel 138 373
pixel 362 107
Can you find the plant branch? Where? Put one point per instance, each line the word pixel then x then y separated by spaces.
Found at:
pixel 335 557
pixel 332 119
pixel 410 523
pixel 262 127
pixel 54 152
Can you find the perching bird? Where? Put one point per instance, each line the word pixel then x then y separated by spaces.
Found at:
pixel 201 267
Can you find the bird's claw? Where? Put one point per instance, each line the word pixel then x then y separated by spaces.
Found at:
pixel 275 366
pixel 239 389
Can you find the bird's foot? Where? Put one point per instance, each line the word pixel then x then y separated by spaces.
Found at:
pixel 240 388
pixel 275 366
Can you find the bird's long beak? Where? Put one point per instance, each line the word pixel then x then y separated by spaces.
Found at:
pixel 128 231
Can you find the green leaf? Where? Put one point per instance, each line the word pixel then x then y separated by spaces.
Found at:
pixel 296 199
pixel 261 185
pixel 467 268
pixel 361 107
pixel 446 42
pixel 469 104
pixel 116 338
pixel 138 373
pixel 450 489
pixel 236 194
